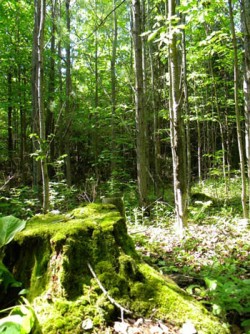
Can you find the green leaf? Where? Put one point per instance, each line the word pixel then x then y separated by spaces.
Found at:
pixel 9 226
pixel 210 283
pixel 153 35
pixel 20 321
pixel 11 325
pixel 27 317
pixel 216 309
pixel 245 323
pixel 6 278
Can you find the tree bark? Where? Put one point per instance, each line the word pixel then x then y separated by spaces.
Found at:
pixel 113 85
pixel 141 120
pixel 10 130
pixel 246 31
pixel 50 119
pixel 68 105
pixel 38 96
pixel 237 113
pixel 178 142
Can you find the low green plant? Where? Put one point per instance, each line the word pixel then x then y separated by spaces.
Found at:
pixel 21 319
pixel 19 201
pixel 62 197
pixel 9 227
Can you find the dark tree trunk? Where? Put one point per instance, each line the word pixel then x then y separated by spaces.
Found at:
pixel 141 119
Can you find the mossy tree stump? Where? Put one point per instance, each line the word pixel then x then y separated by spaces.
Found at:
pixel 52 257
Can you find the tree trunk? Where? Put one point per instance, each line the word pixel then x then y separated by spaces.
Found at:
pixel 38 96
pixel 141 120
pixel 178 142
pixel 50 119
pixel 246 32
pixel 10 130
pixel 68 104
pixel 237 113
pixel 113 87
pixel 186 108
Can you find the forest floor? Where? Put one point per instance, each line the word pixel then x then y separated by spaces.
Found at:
pixel 211 262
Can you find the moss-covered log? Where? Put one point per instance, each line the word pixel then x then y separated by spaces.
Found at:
pixel 52 257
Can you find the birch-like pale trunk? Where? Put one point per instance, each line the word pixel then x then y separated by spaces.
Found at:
pixel 178 143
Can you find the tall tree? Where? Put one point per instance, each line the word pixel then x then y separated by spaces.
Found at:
pixel 50 121
pixel 237 111
pixel 68 104
pixel 178 142
pixel 141 120
pixel 113 82
pixel 246 31
pixel 38 95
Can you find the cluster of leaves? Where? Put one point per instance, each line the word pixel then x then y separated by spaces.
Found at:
pixel 24 201
pixel 9 226
pixel 19 201
pixel 22 318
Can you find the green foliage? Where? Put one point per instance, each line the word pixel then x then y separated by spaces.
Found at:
pixel 19 201
pixel 62 197
pixel 9 227
pixel 21 320
pixel 7 279
pixel 227 292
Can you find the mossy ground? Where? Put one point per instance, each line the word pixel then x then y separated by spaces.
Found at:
pixel 51 258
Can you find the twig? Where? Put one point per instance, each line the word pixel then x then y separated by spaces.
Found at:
pixel 7 181
pixel 102 21
pixel 139 231
pixel 122 309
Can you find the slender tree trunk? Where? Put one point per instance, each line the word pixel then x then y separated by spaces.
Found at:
pixel 40 10
pixel 141 121
pixel 156 139
pixel 34 116
pixel 10 131
pixel 58 126
pixel 186 108
pixel 113 87
pixel 237 112
pixel 94 119
pixel 68 105
pixel 246 31
pixel 178 142
pixel 50 121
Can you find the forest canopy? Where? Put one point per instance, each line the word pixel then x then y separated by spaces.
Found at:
pixel 100 92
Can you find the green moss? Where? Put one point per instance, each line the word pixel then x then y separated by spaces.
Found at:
pixel 128 267
pixel 52 256
pixel 39 276
pixel 172 304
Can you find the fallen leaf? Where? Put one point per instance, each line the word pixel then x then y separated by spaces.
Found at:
pixel 121 327
pixel 188 328
pixel 87 324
